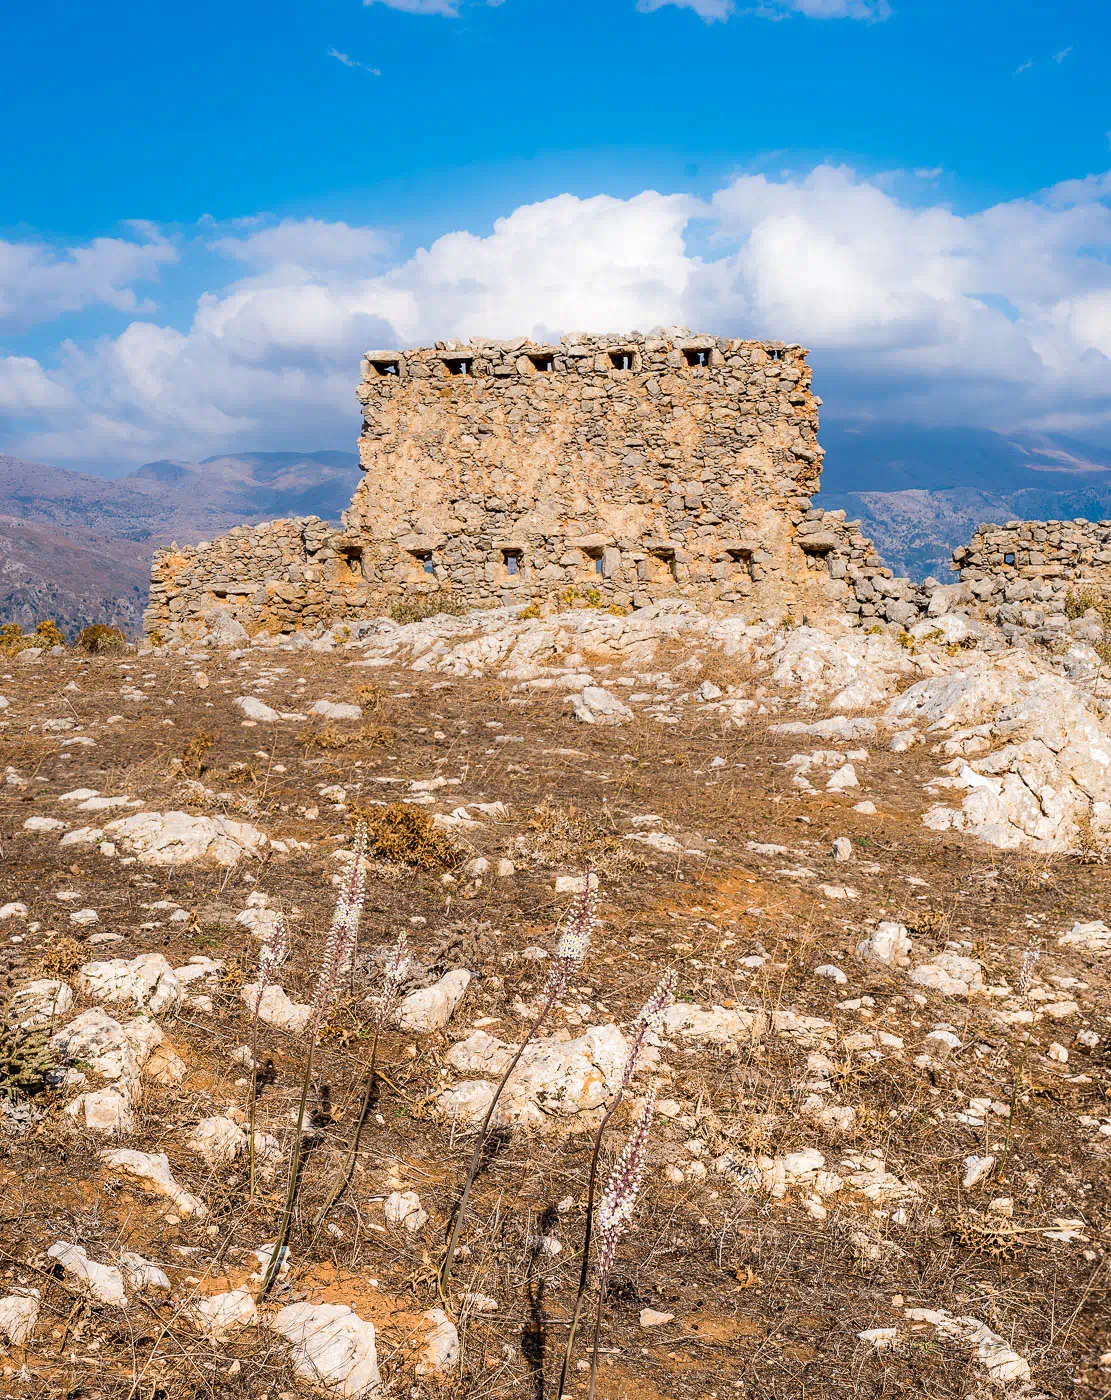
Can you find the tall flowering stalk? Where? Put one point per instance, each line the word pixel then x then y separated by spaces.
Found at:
pixel 570 953
pixel 339 951
pixel 391 985
pixel 648 1021
pixel 615 1211
pixel 272 955
pixel 1030 957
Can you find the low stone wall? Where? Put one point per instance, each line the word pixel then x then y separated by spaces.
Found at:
pixel 277 577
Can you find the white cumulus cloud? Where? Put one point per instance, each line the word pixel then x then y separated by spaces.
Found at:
pixel 39 282
pixel 998 318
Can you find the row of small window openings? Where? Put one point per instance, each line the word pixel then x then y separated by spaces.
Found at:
pixel 512 563
pixel 545 364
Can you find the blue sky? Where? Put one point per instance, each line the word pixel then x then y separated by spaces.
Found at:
pixel 209 210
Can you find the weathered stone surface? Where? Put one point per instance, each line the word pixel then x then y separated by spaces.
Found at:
pixel 175 838
pixel 431 1008
pixel 147 981
pixel 100 1283
pixel 331 1347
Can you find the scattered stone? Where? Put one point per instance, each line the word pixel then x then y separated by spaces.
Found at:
pixel 403 1208
pixel 275 1008
pixel 430 1008
pixel 141 1276
pixel 221 1314
pixel 153 1170
pixel 441 1347
pixel 175 838
pixel 100 1283
pixel 147 981
pixel 889 944
pixel 19 1312
pixel 330 1346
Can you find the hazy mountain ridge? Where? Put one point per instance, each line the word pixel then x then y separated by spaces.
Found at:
pixel 77 548
pixel 921 492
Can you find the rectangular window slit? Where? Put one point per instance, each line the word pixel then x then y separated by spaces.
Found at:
pixel 621 359
pixel 465 366
pixel 1008 558
pixel 542 364
pixel 385 367
pixel 696 358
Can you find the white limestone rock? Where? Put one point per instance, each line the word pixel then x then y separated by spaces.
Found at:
pixel 147 982
pixel 332 709
pixel 105 1111
pixel 554 1081
pixel 951 974
pixel 275 1008
pixel 218 1140
pixel 889 944
pixel 220 1315
pixel 141 1276
pixel 40 1003
pixel 440 1353
pixel 109 1049
pixel 716 1026
pixel 331 1347
pixel 19 1312
pixel 403 1209
pixel 152 1169
pixel 176 838
pixel 598 706
pixel 430 1008
pixel 253 708
pixel 100 1283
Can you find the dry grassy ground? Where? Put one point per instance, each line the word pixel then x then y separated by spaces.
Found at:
pixel 766 1300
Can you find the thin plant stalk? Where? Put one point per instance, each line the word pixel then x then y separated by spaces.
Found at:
pixel 390 988
pixel 1025 976
pixel 594 1338
pixel 335 963
pixel 648 1020
pixel 272 955
pixel 569 956
pixel 615 1211
pixel 275 1263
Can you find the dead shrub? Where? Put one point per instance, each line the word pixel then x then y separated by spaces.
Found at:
pixel 62 958
pixel 421 607
pixel 369 697
pixel 330 738
pixel 101 640
pixel 27 1064
pixel 564 836
pixel 407 835
pixel 195 752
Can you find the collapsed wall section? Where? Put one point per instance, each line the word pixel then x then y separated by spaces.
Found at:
pixel 276 577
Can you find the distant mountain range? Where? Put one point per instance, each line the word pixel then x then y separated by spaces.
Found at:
pixel 77 548
pixel 920 492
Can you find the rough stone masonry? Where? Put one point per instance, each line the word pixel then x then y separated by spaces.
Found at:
pixel 603 471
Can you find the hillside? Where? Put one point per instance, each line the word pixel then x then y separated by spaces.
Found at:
pixel 77 548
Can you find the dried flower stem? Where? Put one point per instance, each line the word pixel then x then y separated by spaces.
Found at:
pixel 569 955
pixel 614 1213
pixel 338 952
pixel 648 1020
pixel 389 995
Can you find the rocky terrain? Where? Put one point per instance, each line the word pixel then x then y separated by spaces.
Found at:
pixel 881 1101
pixel 77 548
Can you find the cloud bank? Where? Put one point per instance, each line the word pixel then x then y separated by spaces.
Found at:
pixel 1000 318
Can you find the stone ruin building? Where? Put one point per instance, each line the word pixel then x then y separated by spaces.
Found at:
pixel 605 471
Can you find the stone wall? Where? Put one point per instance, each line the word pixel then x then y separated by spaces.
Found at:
pixel 630 468
pixel 277 577
pixel 603 471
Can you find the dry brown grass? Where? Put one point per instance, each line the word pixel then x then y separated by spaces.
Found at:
pixel 194 753
pixel 63 957
pixel 329 738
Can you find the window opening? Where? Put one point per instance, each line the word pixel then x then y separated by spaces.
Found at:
pixel 464 366
pixel 542 364
pixel 598 563
pixel 512 563
pixel 385 367
pixel 621 359
pixel 696 358
pixel 1008 558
